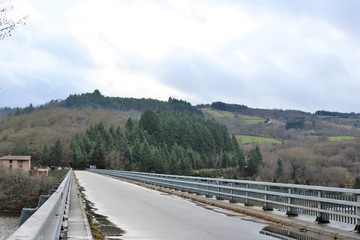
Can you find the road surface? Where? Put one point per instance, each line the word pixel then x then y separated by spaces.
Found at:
pixel 147 214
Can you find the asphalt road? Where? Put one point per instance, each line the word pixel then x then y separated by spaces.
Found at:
pixel 148 214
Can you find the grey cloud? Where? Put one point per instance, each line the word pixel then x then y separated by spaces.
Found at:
pixel 341 14
pixel 197 73
pixel 66 48
pixel 315 81
pixel 25 80
pixel 22 87
pixel 304 78
pixel 319 86
pixel 62 46
pixel 36 90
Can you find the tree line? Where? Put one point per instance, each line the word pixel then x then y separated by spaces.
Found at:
pixel 162 142
pixel 228 107
pixel 97 100
pixel 336 114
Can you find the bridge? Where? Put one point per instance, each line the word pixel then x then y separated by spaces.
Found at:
pixel 320 211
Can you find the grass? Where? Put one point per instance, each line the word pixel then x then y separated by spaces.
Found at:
pixel 248 139
pixel 224 114
pixel 218 113
pixel 341 138
pixel 251 119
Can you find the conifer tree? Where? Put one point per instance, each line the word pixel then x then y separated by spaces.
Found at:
pixel 357 183
pixel 254 160
pixel 45 155
pixel 279 168
pixel 56 154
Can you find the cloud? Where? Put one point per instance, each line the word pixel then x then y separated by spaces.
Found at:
pixel 40 73
pixel 271 54
pixel 196 74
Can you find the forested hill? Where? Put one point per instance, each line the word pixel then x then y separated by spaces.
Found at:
pixel 278 114
pixel 161 142
pixel 295 146
pixel 97 100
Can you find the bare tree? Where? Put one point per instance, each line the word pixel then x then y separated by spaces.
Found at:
pixel 7 25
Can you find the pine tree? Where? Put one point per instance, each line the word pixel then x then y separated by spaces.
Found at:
pixel 45 155
pixel 254 160
pixel 239 156
pixel 78 160
pixel 129 125
pixel 56 154
pixel 20 148
pixel 150 122
pixel 97 156
pixel 357 183
pixel 279 168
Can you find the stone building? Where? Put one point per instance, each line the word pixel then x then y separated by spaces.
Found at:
pixel 21 163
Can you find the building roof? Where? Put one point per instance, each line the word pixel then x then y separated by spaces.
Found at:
pixel 26 158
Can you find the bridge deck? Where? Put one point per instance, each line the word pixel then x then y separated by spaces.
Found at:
pixel 147 214
pixel 78 226
pixel 298 224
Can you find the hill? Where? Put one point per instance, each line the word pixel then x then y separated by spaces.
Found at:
pixel 97 100
pixel 274 123
pixel 321 148
pixel 314 148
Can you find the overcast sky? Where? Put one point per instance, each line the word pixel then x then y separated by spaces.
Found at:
pixel 280 54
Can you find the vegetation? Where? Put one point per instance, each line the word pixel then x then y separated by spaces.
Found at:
pixel 161 142
pixel 342 138
pixel 8 25
pixel 228 107
pixel 245 119
pixel 156 136
pixel 296 123
pixel 218 113
pixel 248 139
pixel 336 114
pixel 18 190
pixel 251 119
pixel 310 147
pixel 97 100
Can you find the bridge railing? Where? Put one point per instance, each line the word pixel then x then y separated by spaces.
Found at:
pixel 324 203
pixel 46 222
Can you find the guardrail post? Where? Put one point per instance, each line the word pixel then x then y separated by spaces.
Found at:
pixel 219 197
pixel 25 214
pixel 232 199
pixel 208 195
pixel 267 206
pixel 42 200
pixel 321 216
pixel 51 191
pixel 247 201
pixel 291 212
pixel 357 227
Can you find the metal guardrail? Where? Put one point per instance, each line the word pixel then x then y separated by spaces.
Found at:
pixel 324 203
pixel 46 222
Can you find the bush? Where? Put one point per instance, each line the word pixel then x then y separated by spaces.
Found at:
pixel 19 190
pixel 209 173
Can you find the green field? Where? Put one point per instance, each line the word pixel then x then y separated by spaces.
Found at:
pixel 251 119
pixel 248 139
pixel 218 113
pixel 224 114
pixel 341 138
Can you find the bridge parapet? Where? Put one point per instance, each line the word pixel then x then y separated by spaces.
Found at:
pixel 46 222
pixel 324 203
